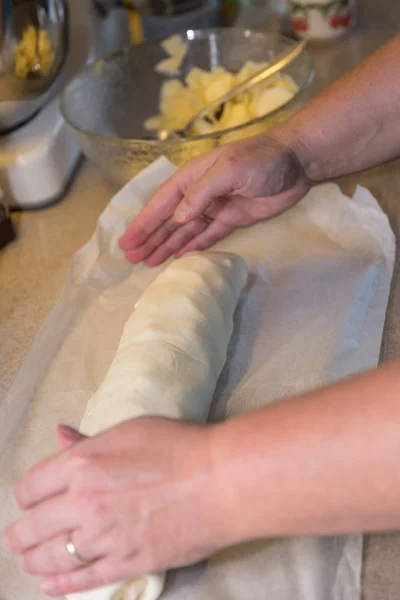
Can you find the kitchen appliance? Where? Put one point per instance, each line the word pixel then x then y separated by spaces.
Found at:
pixel 42 46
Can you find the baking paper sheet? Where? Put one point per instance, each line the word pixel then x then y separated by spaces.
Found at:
pixel 313 313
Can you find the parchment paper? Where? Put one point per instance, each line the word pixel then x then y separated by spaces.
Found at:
pixel 313 312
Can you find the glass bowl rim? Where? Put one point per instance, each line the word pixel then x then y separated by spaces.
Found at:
pixel 190 34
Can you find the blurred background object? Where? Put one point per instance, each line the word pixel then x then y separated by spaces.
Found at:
pixel 321 20
pixel 32 53
pixel 7 233
pixel 189 15
pixel 43 44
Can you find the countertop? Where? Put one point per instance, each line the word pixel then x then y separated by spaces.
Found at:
pixel 33 268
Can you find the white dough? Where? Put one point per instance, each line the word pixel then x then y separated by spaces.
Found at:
pixel 170 356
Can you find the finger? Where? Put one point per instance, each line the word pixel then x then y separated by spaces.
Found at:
pixel 45 479
pixel 52 556
pixel 97 574
pixel 159 210
pixel 178 240
pixel 215 232
pixel 216 182
pixel 164 232
pixel 166 200
pixel 67 436
pixel 53 517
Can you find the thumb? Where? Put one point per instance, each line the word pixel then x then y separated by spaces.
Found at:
pixel 217 182
pixel 68 437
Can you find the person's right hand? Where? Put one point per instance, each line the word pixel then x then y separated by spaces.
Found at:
pixel 232 186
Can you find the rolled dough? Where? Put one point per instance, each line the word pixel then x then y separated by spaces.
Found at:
pixel 170 356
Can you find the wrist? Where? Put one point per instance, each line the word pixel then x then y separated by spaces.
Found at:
pixel 296 141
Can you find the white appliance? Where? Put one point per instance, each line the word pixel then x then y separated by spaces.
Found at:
pixel 38 158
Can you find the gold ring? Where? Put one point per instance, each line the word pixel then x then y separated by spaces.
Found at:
pixel 72 551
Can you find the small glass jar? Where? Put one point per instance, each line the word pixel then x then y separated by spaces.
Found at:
pixel 322 20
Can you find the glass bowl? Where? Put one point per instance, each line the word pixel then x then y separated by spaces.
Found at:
pixel 108 102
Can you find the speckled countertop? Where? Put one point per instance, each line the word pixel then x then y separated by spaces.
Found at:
pixel 33 268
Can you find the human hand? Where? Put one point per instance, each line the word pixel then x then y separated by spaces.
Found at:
pixel 232 186
pixel 138 498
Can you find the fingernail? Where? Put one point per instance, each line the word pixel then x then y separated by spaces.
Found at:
pixel 182 213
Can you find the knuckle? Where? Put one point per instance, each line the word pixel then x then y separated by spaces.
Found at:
pixel 231 158
pixel 232 166
pixel 170 227
pixel 24 534
pixel 93 508
pixel 25 490
pixel 91 576
pixel 36 525
pixel 101 575
pixel 121 544
pixel 57 558
pixel 45 559
pixel 193 226
pixel 21 494
pixel 198 246
pixel 147 249
pixel 28 563
pixel 81 472
pixel 76 463
pixel 13 539
pixel 191 163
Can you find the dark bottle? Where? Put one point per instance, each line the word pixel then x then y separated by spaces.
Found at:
pixel 169 8
pixel 229 11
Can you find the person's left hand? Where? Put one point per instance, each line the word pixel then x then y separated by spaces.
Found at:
pixel 138 498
